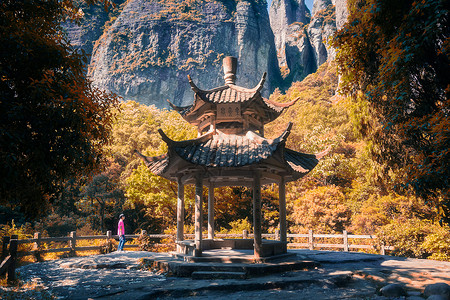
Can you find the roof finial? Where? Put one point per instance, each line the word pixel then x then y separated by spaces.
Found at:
pixel 229 69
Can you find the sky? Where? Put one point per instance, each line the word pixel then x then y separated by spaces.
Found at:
pixel 309 4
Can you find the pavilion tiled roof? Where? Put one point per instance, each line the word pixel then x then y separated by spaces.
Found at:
pixel 215 150
pixel 228 93
pixel 231 93
pixel 223 150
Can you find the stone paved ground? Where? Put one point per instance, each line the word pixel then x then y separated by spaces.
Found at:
pixel 340 276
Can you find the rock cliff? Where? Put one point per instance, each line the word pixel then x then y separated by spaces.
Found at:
pixel 321 28
pixel 301 37
pixel 93 18
pixel 148 51
pixel 143 50
pixel 341 13
pixel 289 20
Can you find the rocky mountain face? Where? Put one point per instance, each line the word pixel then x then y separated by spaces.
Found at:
pixel 93 18
pixel 341 12
pixel 301 37
pixel 143 50
pixel 146 53
pixel 289 19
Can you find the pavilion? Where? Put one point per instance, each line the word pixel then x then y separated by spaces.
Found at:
pixel 231 150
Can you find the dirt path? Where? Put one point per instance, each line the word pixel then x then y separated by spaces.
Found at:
pixel 119 276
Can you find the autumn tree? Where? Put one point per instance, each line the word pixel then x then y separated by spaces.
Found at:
pixel 394 60
pixel 322 209
pixel 104 189
pixel 150 198
pixel 54 122
pixel 380 211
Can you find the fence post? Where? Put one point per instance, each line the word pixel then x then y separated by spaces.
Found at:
pixel 143 241
pixel 37 246
pixel 345 240
pixel 245 234
pixel 108 241
pixel 311 239
pixel 277 234
pixel 13 253
pixel 5 248
pixel 73 243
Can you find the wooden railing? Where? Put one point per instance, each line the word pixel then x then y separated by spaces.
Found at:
pixel 10 253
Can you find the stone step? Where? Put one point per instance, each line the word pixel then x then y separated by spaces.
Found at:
pixel 218 275
pixel 185 269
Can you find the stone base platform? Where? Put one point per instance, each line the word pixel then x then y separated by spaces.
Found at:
pixel 230 256
pixel 226 262
pixel 269 248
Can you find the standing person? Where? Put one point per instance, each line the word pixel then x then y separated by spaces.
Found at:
pixel 121 232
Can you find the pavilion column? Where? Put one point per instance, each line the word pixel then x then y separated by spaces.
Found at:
pixel 257 214
pixel 211 211
pixel 198 214
pixel 180 211
pixel 282 201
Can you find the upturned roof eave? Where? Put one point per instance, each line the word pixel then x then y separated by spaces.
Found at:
pixel 282 161
pixel 272 109
pixel 177 167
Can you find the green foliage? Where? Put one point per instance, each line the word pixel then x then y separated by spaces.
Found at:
pixel 136 128
pixel 377 212
pixel 232 204
pixel 322 209
pixel 23 231
pixel 238 226
pixel 56 225
pixel 152 198
pixel 158 195
pixel 327 15
pixel 348 189
pixel 105 195
pixel 408 237
pixel 438 244
pixel 396 53
pixel 54 122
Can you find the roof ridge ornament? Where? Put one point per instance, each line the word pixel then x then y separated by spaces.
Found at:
pixel 281 105
pixel 229 69
pixel 193 86
pixel 148 160
pixel 178 108
pixel 323 153
pixel 285 134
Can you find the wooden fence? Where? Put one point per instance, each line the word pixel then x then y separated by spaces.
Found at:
pixel 10 252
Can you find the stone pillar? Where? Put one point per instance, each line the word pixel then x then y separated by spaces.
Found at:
pixel 211 211
pixel 180 211
pixel 257 214
pixel 198 214
pixel 282 201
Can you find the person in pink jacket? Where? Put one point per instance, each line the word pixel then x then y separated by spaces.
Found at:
pixel 121 232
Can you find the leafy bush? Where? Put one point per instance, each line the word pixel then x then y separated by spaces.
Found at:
pixel 56 225
pixel 23 231
pixel 322 209
pixel 239 226
pixel 377 211
pixel 416 238
pixel 438 243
